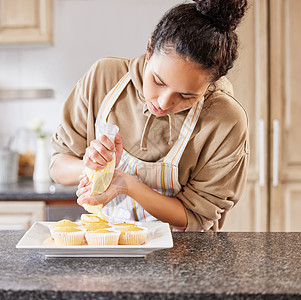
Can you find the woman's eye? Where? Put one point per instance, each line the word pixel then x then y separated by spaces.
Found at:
pixel 158 83
pixel 184 98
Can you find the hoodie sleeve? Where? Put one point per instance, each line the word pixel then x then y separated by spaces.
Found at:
pixel 217 181
pixel 76 130
pixel 71 135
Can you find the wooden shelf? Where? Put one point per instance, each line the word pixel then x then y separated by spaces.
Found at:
pixel 23 94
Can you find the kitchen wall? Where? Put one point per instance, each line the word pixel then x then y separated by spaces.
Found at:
pixel 84 31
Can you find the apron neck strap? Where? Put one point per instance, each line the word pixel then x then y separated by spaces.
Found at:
pixel 112 96
pixel 174 155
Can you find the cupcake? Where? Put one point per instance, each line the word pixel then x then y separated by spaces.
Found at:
pixel 62 223
pixel 132 235
pixel 68 236
pixel 101 237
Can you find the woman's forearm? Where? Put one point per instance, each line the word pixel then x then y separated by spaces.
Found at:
pixel 166 209
pixel 66 169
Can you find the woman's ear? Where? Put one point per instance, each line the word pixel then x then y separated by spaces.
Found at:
pixel 149 49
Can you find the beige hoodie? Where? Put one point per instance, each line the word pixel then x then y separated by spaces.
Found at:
pixel 213 168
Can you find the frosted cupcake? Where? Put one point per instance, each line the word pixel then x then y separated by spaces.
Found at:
pixel 102 237
pixel 132 235
pixel 68 236
pixel 62 223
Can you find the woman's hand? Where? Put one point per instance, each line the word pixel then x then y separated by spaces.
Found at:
pixel 118 186
pixel 98 154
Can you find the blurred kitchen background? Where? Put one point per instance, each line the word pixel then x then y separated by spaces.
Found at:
pixel 47 45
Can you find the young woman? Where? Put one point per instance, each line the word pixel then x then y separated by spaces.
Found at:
pixel 182 148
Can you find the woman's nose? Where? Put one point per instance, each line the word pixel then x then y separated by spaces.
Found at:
pixel 165 101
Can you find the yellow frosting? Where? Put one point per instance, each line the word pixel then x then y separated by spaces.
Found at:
pixel 86 223
pixel 129 228
pixel 64 223
pixel 91 218
pixel 67 229
pixel 95 209
pixel 95 226
pixel 125 224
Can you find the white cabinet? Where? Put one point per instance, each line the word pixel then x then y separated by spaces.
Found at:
pixel 20 215
pixel 26 21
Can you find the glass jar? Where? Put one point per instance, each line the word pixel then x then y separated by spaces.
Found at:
pixel 24 143
pixel 8 166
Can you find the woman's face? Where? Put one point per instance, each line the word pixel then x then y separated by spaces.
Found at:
pixel 172 84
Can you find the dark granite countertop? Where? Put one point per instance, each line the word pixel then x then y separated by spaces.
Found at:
pixel 26 189
pixel 199 266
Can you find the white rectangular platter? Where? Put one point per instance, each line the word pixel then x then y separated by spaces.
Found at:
pixel 159 237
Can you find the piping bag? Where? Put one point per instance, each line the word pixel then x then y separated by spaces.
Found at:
pixel 101 179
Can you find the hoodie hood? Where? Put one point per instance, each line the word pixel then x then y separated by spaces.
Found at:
pixel 136 69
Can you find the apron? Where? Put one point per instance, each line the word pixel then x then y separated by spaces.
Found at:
pixel 160 176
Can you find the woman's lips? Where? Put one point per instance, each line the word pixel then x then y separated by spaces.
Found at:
pixel 158 111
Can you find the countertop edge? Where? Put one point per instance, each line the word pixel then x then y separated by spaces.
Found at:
pixel 49 294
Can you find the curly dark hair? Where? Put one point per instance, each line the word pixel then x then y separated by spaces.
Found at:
pixel 203 31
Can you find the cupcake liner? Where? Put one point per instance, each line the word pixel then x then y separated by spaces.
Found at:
pixel 69 238
pixel 133 237
pixel 102 238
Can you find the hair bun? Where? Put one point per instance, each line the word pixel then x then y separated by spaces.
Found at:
pixel 223 14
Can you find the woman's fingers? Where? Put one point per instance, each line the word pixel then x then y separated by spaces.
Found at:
pixel 105 141
pixel 82 196
pixel 83 190
pixel 84 180
pixel 104 147
pixel 93 159
pixel 117 186
pixel 99 153
pixel 119 148
pixel 90 200
pixel 86 199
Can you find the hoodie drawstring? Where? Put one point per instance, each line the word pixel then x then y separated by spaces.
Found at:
pixel 143 143
pixel 172 129
pixel 149 121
